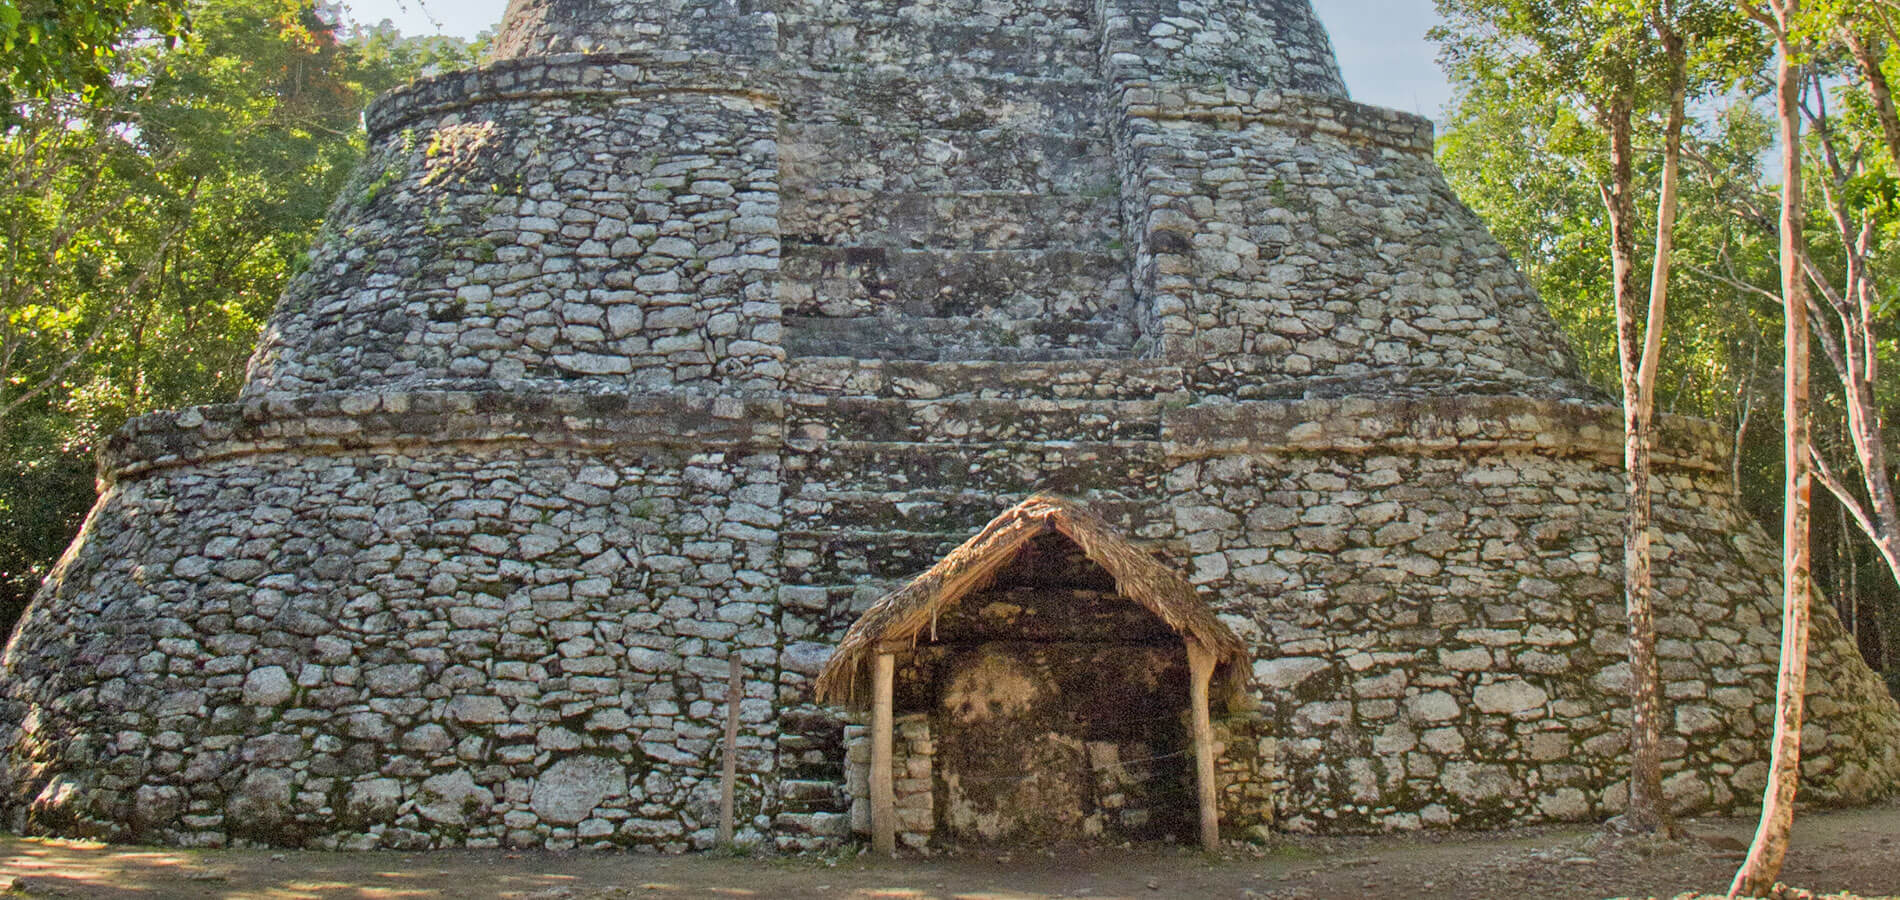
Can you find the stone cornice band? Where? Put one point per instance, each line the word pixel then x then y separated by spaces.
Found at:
pixel 345 422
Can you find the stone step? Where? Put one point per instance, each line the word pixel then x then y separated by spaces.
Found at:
pixel 976 220
pixel 1079 14
pixel 952 49
pixel 958 338
pixel 948 513
pixel 1004 286
pixel 815 158
pixel 841 556
pixel 1005 470
pixel 801 795
pixel 831 556
pixel 903 100
pixel 1094 379
pixel 962 421
pixel 815 824
pixel 820 766
pixel 924 347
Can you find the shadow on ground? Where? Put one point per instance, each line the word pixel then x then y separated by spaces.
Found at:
pixel 1857 851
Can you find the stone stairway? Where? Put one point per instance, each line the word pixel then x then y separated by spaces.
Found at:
pixel 814 812
pixel 893 464
pixel 976 221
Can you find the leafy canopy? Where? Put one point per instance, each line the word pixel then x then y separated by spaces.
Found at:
pixel 51 47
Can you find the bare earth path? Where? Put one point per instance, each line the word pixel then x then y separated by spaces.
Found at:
pixel 1855 851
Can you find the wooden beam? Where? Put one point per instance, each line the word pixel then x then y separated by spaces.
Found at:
pixel 729 773
pixel 883 784
pixel 1201 662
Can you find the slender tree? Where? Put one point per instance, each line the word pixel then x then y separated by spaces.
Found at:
pixel 1639 355
pixel 1619 59
pixel 1857 202
pixel 1783 19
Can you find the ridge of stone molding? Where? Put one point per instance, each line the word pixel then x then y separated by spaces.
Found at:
pixel 628 74
pixel 666 72
pixel 355 421
pixel 1435 426
pixel 351 421
pixel 1339 117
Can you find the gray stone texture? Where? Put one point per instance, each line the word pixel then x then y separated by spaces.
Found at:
pixel 683 330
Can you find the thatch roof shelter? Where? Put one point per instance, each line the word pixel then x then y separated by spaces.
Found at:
pixel 900 619
pixel 909 615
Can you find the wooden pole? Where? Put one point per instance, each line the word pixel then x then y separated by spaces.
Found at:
pixel 729 775
pixel 883 785
pixel 1201 663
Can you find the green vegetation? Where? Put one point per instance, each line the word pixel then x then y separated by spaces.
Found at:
pixel 1532 159
pixel 51 48
pixel 168 165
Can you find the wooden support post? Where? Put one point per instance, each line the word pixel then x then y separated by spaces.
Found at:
pixel 883 784
pixel 729 775
pixel 1201 662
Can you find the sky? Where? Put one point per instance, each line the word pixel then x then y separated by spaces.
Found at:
pixel 1381 43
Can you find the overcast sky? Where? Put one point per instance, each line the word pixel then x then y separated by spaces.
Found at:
pixel 1381 43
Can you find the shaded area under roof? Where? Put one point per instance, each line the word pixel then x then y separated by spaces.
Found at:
pixel 902 616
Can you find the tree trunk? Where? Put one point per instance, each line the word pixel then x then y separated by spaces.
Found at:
pixel 1877 88
pixel 1855 351
pixel 1635 359
pixel 1758 873
pixel 729 757
pixel 1649 811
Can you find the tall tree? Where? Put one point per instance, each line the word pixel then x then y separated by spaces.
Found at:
pixel 1638 361
pixel 1783 20
pixel 1856 166
pixel 146 230
pixel 1619 60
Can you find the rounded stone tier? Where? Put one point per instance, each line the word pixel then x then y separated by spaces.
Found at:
pixel 414 620
pixel 540 28
pixel 669 220
pixel 584 224
pixel 657 195
pixel 1275 44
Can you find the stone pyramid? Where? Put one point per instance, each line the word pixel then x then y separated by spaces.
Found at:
pixel 684 329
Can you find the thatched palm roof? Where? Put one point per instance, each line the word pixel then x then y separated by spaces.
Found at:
pixel 903 615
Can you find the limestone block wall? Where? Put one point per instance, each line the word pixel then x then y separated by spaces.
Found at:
pixel 687 328
pixel 540 28
pixel 948 186
pixel 913 763
pixel 1288 242
pixel 1247 763
pixel 331 636
pixel 1431 587
pixel 598 224
pixel 1276 44
pixel 1442 630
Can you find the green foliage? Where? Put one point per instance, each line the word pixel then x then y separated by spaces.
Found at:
pixel 44 493
pixel 54 47
pixel 1596 52
pixel 147 227
pixel 1525 147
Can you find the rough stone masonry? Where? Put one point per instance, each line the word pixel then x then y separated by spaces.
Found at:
pixel 684 329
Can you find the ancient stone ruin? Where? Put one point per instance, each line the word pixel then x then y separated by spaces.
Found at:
pixel 686 330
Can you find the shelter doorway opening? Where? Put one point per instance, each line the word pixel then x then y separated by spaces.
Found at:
pixel 1059 710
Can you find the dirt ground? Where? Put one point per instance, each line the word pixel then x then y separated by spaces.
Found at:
pixel 1856 852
